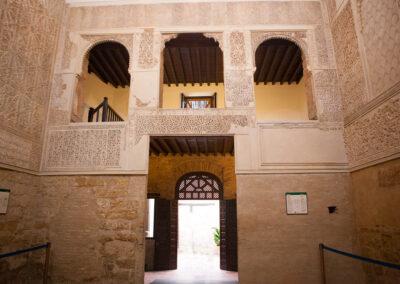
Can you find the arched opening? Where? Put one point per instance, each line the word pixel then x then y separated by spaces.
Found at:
pixel 192 73
pixel 282 87
pixel 102 91
pixel 191 203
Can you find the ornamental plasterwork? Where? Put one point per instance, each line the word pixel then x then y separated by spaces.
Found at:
pixel 237 49
pixel 239 88
pixel 189 122
pixel 350 72
pixel 375 135
pixel 29 31
pixel 146 58
pixel 84 146
pixel 380 27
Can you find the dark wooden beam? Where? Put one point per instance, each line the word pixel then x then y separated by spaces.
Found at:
pixel 197 52
pixel 187 146
pixel 208 65
pixel 103 59
pixel 292 65
pixel 275 64
pixel 182 65
pixel 195 78
pixel 225 148
pixel 168 62
pixel 214 143
pixel 166 77
pixel 121 60
pixel 98 73
pixel 123 78
pixel 293 76
pixel 283 64
pixel 187 62
pixel 275 61
pixel 96 64
pixel 265 65
pixel 154 143
pixel 176 146
pixel 165 145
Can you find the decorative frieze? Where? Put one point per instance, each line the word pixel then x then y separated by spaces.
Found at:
pixel 374 136
pixel 93 147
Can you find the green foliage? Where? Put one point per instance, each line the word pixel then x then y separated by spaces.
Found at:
pixel 217 236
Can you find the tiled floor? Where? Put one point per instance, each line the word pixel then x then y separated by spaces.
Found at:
pixel 195 269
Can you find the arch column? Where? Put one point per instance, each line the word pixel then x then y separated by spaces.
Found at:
pixel 145 70
pixel 238 69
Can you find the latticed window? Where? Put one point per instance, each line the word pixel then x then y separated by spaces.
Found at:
pixel 199 185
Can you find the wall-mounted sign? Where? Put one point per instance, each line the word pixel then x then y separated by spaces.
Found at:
pixel 4 195
pixel 296 203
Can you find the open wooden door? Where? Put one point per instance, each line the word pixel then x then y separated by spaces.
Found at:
pixel 166 234
pixel 228 243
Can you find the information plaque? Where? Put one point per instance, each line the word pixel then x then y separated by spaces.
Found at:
pixel 4 195
pixel 296 203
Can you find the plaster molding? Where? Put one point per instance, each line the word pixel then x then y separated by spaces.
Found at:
pixel 372 105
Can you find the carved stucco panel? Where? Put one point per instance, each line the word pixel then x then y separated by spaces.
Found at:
pixel 237 50
pixel 374 135
pixel 84 147
pixel 28 40
pixel 146 56
pixel 239 88
pixel 380 29
pixel 178 123
pixel 350 72
pixel 328 100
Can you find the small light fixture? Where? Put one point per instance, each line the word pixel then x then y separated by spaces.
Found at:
pixel 332 209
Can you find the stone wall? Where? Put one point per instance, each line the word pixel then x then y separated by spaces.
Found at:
pixel 95 225
pixel 164 172
pixel 272 243
pixel 21 227
pixel 376 192
pixel 28 33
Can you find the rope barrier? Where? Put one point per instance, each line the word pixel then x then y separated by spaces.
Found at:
pixel 46 246
pixel 362 258
pixel 21 251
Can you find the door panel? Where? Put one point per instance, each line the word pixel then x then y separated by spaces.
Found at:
pixel 228 227
pixel 165 234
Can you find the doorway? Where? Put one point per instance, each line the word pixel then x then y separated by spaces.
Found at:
pixel 195 233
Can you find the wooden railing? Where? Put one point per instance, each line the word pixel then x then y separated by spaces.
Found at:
pixel 103 112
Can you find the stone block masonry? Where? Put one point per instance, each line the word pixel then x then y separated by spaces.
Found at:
pixel 95 224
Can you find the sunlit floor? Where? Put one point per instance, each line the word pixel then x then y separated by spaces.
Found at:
pixel 193 268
